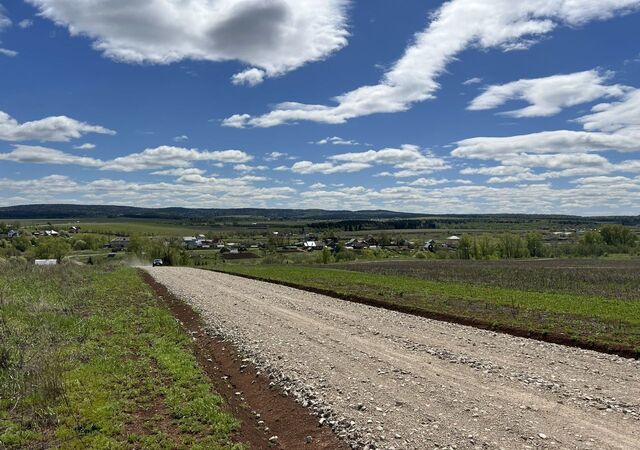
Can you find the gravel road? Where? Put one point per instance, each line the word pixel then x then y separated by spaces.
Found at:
pixel 383 379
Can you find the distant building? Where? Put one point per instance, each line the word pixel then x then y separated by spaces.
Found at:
pixel 118 244
pixel 355 244
pixel 331 242
pixel 452 241
pixel 190 242
pixel 312 245
pixel 46 262
pixel 371 242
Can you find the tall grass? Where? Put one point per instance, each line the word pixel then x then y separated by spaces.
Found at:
pixel 83 350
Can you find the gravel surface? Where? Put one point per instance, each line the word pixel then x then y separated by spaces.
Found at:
pixel 383 379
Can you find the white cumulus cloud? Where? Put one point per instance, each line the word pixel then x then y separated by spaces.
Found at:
pixel 249 77
pixel 408 160
pixel 562 153
pixel 149 159
pixel 28 154
pixel 25 23
pixel 328 168
pixel 609 126
pixel 273 36
pixel 58 128
pixel 168 156
pixel 550 95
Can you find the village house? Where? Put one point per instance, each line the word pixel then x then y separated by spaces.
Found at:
pixel 355 244
pixel 118 244
pixel 312 245
pixel 331 242
pixel 371 242
pixel 452 242
pixel 190 242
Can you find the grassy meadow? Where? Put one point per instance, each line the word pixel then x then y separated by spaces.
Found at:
pixel 90 359
pixel 121 227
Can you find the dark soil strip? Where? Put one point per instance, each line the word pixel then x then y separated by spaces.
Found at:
pixel 555 338
pixel 293 424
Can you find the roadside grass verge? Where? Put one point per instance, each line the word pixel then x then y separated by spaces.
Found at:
pixel 90 359
pixel 587 321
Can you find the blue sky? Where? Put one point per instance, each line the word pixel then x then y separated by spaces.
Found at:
pixel 465 106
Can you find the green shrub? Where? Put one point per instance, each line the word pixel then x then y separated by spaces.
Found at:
pixel 80 245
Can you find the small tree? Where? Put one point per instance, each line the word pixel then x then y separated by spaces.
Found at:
pixel 465 245
pixel 52 248
pixel 535 245
pixel 326 255
pixel 618 235
pixel 513 246
pixel 21 243
pixel 592 238
pixel 486 247
pixel 79 245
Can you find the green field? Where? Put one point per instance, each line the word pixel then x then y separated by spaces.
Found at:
pixel 90 359
pixel 607 322
pixel 610 278
pixel 121 227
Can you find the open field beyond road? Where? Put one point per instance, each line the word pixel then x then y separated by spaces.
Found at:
pixel 404 382
pixel 615 279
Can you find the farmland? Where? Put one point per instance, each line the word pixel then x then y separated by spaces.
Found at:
pixel 608 278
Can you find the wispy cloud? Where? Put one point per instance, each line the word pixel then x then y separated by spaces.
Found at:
pixel 504 24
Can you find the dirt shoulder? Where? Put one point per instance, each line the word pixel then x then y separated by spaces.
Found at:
pixel 263 410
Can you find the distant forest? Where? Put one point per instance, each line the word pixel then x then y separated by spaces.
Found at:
pixel 318 218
